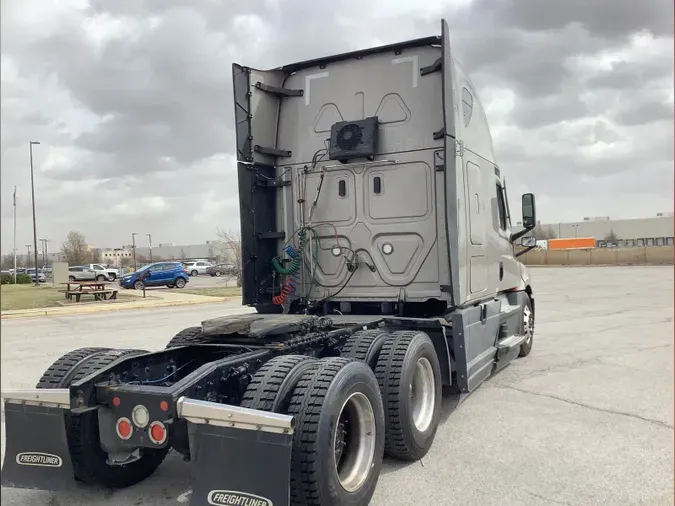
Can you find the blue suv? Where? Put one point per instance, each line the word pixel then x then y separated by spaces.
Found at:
pixel 169 274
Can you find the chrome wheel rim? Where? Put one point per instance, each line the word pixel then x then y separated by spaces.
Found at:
pixel 354 442
pixel 528 323
pixel 423 394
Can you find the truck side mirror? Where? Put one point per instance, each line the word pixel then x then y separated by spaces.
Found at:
pixel 528 242
pixel 529 211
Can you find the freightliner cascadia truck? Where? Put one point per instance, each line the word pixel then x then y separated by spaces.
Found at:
pixel 379 255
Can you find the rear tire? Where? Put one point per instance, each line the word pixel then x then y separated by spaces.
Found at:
pixel 365 345
pixel 218 274
pixel 71 278
pixel 186 337
pixel 86 454
pixel 338 441
pixel 409 374
pixel 194 273
pixel 271 387
pixel 180 283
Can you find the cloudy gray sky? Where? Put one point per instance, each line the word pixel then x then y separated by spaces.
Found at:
pixel 131 100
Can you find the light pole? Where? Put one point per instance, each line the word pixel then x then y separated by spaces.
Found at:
pixel 32 189
pixel 133 248
pixel 150 243
pixel 44 251
pixel 28 246
pixel 14 250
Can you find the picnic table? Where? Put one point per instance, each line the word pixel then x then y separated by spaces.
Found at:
pixel 98 289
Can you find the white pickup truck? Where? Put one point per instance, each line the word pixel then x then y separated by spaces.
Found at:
pixel 108 273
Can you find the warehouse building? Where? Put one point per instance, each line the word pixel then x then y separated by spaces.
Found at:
pixel 656 231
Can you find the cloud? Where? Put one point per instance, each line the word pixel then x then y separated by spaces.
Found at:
pixel 131 101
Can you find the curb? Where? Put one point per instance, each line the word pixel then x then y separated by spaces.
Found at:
pixel 33 313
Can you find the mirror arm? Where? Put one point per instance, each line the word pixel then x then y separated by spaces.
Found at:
pixel 517 235
pixel 524 251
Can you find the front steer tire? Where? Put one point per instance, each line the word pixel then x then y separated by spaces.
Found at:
pixel 528 328
pixel 320 401
pixel 409 356
pixel 86 454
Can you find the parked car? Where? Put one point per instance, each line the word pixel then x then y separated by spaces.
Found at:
pixel 81 273
pixel 104 273
pixel 196 268
pixel 221 269
pixel 169 274
pixel 41 275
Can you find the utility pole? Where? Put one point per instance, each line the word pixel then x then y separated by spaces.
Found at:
pixel 14 250
pixel 150 243
pixel 32 188
pixel 29 246
pixel 133 248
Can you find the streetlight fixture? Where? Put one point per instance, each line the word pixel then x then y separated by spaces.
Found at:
pixel 133 248
pixel 150 243
pixel 32 189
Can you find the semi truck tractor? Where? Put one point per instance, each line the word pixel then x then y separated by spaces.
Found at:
pixel 378 253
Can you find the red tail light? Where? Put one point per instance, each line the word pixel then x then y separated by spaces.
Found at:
pixel 157 433
pixel 124 429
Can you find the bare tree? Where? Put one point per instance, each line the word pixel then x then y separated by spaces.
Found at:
pixel 96 255
pixel 611 236
pixel 8 261
pixel 543 233
pixel 183 256
pixel 231 249
pixel 75 249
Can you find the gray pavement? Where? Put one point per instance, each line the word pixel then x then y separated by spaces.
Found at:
pixel 586 419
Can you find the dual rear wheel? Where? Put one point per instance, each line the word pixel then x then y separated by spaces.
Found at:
pixel 381 397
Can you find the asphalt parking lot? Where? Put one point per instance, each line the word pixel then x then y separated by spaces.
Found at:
pixel 586 419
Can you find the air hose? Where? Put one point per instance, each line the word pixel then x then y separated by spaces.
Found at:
pixel 291 272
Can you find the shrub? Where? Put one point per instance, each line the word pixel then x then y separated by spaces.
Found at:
pixel 21 279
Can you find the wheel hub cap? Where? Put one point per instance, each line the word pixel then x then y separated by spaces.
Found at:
pixel 354 442
pixel 528 323
pixel 423 394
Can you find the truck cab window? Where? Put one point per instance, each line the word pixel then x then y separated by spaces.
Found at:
pixel 501 207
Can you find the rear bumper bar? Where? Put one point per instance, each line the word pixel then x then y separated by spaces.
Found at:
pixel 239 455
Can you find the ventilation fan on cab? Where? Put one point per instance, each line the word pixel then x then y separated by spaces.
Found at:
pixel 353 139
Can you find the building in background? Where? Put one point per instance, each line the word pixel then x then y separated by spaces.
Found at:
pixel 656 231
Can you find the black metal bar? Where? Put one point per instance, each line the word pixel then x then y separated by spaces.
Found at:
pixel 520 253
pixel 273 183
pixel 279 92
pixel 272 235
pixel 263 150
pixel 439 134
pixel 434 67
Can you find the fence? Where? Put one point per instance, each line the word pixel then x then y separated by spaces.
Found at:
pixel 646 255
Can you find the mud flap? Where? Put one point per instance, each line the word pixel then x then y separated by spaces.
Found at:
pixel 239 456
pixel 239 466
pixel 36 449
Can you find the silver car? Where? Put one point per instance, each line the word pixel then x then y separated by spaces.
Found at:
pixel 195 268
pixel 81 273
